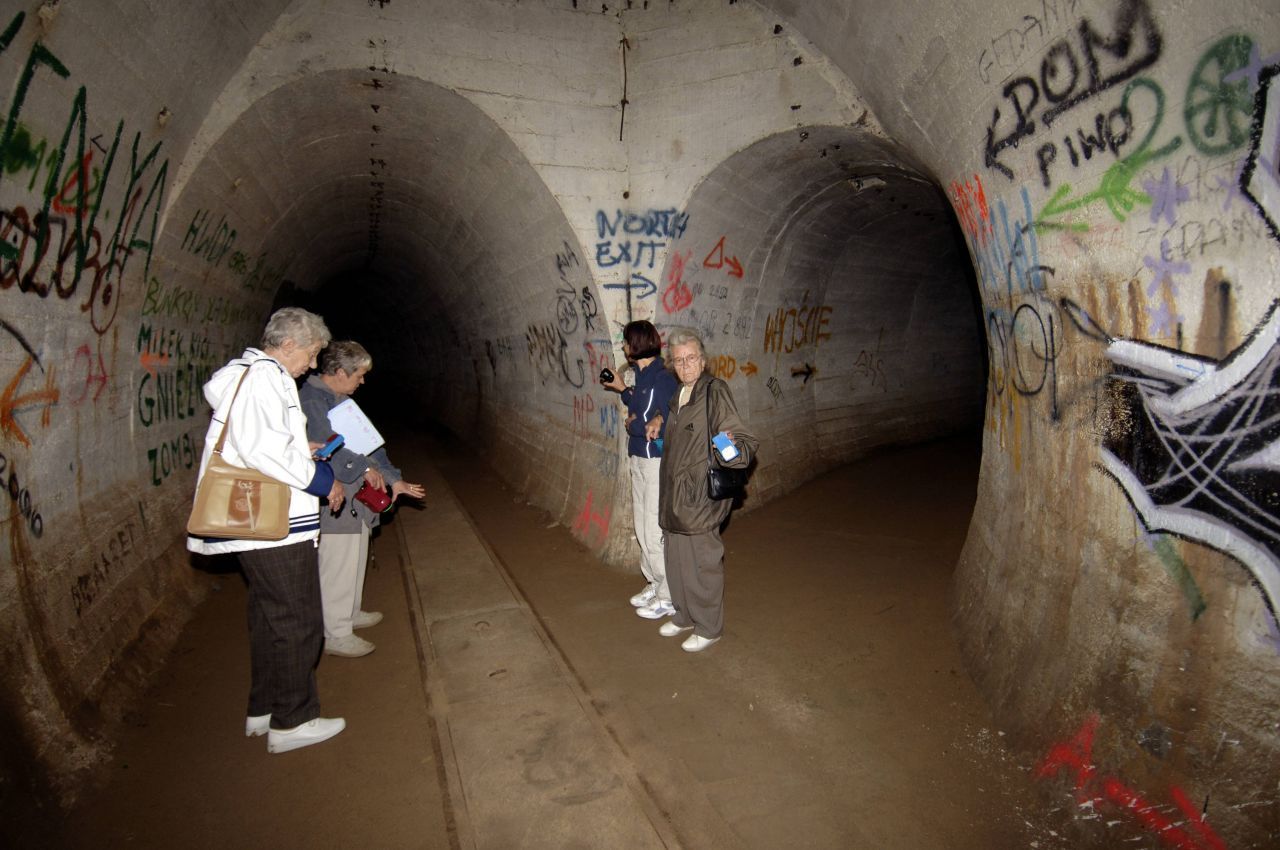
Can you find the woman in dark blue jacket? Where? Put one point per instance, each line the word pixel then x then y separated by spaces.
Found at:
pixel 646 403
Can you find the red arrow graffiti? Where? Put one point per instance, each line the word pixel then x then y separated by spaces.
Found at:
pixel 749 368
pixel 735 267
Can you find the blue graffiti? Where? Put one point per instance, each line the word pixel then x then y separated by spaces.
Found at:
pixel 1009 259
pixel 653 228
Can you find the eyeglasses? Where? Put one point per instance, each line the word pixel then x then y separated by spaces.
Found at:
pixel 691 360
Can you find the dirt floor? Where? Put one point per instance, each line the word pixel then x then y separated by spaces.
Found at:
pixel 834 714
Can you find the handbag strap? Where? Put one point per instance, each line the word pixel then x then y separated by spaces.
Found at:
pixel 711 458
pixel 226 422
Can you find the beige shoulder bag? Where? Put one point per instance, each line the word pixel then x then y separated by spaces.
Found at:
pixel 235 502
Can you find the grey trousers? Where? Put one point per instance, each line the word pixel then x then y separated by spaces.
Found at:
pixel 286 632
pixel 695 574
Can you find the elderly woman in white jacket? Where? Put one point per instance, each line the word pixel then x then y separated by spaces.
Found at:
pixel 267 432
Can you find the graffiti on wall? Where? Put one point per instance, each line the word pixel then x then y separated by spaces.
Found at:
pixel 630 242
pixel 790 328
pixel 1201 458
pixel 54 248
pixel 1260 175
pixel 1188 830
pixel 1075 70
pixel 592 521
pixel 575 313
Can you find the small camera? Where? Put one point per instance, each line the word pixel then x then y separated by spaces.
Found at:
pixel 606 376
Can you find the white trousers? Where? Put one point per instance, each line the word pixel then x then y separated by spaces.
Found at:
pixel 343 558
pixel 644 513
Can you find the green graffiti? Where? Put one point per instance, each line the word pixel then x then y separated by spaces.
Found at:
pixel 20 153
pixel 1219 113
pixel 1115 190
pixel 1177 570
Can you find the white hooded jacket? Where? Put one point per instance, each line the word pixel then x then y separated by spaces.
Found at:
pixel 268 432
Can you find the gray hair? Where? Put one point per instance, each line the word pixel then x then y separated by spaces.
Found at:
pixel 302 326
pixel 345 354
pixel 684 336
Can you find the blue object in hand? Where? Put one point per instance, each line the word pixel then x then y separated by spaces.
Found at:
pixel 725 446
pixel 331 445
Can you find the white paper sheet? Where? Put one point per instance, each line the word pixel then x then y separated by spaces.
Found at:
pixel 349 420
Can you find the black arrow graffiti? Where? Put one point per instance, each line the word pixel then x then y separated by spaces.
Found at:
pixel 808 372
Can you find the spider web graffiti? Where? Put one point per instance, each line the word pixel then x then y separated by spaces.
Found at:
pixel 1202 458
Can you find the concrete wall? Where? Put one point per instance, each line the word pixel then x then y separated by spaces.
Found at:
pixel 462 186
pixel 1115 171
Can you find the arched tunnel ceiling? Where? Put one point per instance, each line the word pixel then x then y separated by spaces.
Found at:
pixel 407 184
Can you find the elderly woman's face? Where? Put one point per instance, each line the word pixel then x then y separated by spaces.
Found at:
pixel 347 383
pixel 297 359
pixel 688 362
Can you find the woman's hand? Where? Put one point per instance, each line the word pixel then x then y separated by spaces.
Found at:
pixel 404 488
pixel 653 428
pixel 337 495
pixel 374 478
pixel 616 384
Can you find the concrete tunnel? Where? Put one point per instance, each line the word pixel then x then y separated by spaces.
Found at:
pixel 890 221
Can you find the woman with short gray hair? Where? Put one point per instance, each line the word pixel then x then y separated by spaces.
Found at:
pixel 255 399
pixel 344 536
pixel 691 519
pixel 305 328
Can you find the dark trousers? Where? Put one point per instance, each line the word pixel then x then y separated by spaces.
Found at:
pixel 695 574
pixel 286 632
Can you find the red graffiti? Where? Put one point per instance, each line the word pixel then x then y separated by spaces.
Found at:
pixel 76 189
pixel 677 295
pixel 90 376
pixel 1076 757
pixel 970 202
pixel 12 404
pixel 582 405
pixel 588 518
pixel 735 267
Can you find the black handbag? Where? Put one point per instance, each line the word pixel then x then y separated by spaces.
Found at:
pixel 722 482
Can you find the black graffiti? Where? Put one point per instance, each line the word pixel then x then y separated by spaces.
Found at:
pixel 548 350
pixel 1201 464
pixel 89 585
pixel 1110 132
pixel 1070 74
pixel 1026 346
pixel 170 456
pixel 199 241
pixel 170 395
pixel 21 496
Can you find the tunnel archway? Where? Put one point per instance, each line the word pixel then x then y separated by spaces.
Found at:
pixel 827 273
pixel 418 227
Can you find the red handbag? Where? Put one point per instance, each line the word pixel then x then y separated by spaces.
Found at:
pixel 375 499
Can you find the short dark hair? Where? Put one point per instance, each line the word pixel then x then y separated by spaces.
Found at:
pixel 642 339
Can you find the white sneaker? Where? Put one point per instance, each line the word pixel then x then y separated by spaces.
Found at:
pixel 311 732
pixel 348 646
pixel 255 726
pixel 670 629
pixel 697 643
pixel 365 619
pixel 645 596
pixel 656 610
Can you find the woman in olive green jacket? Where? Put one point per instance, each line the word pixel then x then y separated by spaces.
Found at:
pixel 690 519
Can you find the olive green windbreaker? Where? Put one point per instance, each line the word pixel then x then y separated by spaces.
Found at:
pixel 683 504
